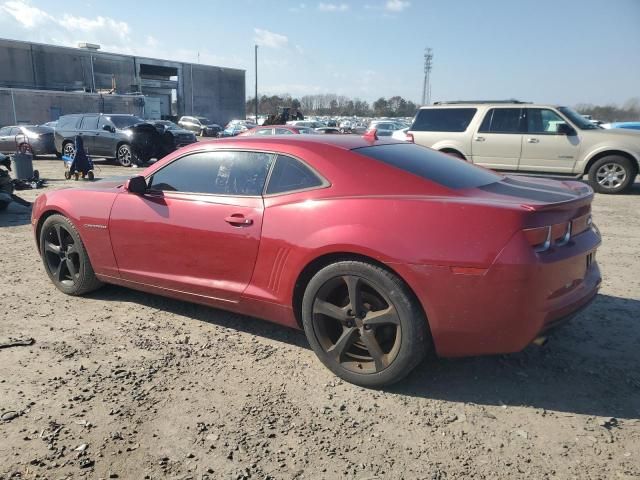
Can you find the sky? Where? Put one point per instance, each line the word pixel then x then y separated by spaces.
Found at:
pixel 550 51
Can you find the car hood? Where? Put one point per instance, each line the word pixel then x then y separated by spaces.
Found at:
pixel 181 131
pixel 615 132
pixel 108 183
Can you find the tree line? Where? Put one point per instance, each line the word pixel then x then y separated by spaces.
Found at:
pixel 629 111
pixel 340 105
pixel 333 105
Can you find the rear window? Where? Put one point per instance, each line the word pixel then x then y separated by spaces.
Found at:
pixel 443 119
pixel 438 167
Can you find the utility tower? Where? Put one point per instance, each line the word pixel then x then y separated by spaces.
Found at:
pixel 426 87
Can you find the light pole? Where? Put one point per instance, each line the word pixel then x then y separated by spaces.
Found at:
pixel 256 96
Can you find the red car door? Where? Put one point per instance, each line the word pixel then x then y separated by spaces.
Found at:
pixel 197 230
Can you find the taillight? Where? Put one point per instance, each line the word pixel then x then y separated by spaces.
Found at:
pixel 539 238
pixel 543 238
pixel 581 224
pixel 409 137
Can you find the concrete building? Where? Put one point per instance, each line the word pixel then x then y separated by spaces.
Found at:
pixel 38 83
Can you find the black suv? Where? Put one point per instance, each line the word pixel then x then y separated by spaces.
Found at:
pixel 104 135
pixel 180 136
pixel 200 126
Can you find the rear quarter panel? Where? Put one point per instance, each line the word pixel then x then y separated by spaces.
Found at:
pixel 394 231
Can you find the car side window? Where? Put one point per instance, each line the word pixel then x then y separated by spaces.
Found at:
pixel 5 131
pixel 89 122
pixel 283 131
pixel 264 131
pixel 290 175
pixel 104 121
pixel 443 119
pixel 67 122
pixel 15 131
pixel 503 120
pixel 543 121
pixel 215 173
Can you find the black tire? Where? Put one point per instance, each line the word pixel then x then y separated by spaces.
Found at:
pixel 453 153
pixel 401 344
pixel 60 239
pixel 90 175
pixel 612 174
pixel 124 155
pixel 67 175
pixel 58 155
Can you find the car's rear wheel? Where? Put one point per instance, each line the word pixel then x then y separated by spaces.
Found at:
pixel 612 174
pixel 65 257
pixel 69 150
pixel 124 155
pixel 363 323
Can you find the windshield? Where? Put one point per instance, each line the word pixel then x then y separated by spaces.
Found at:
pixel 577 119
pixel 125 121
pixel 169 125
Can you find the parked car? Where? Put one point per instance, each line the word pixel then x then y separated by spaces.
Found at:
pixel 39 137
pixel 201 126
pixel 525 137
pixel 401 135
pixel 126 138
pixel 384 129
pixel 306 123
pixel 382 251
pixel 181 137
pixel 627 125
pixel 328 130
pixel 277 130
pixel 234 130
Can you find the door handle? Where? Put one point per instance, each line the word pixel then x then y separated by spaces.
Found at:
pixel 533 140
pixel 479 139
pixel 238 220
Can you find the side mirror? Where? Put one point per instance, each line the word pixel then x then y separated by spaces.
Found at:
pixel 137 185
pixel 109 128
pixel 565 129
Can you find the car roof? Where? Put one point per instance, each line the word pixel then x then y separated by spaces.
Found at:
pixel 489 104
pixel 346 142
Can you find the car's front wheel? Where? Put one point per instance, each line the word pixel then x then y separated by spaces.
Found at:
pixel 124 155
pixel 612 174
pixel 364 324
pixel 65 257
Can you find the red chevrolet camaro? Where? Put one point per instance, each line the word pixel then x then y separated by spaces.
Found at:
pixel 381 250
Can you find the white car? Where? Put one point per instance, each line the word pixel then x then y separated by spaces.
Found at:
pixel 531 138
pixel 401 135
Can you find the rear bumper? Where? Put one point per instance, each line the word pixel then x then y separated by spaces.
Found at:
pixel 503 309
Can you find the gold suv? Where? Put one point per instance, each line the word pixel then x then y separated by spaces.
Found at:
pixel 525 137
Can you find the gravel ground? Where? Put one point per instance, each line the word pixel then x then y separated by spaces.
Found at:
pixel 123 384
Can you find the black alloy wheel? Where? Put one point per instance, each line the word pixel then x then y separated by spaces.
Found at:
pixel 363 323
pixel 65 258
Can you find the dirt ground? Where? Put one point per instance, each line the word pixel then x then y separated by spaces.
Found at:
pixel 123 384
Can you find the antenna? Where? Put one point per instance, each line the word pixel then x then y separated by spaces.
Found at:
pixel 426 87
